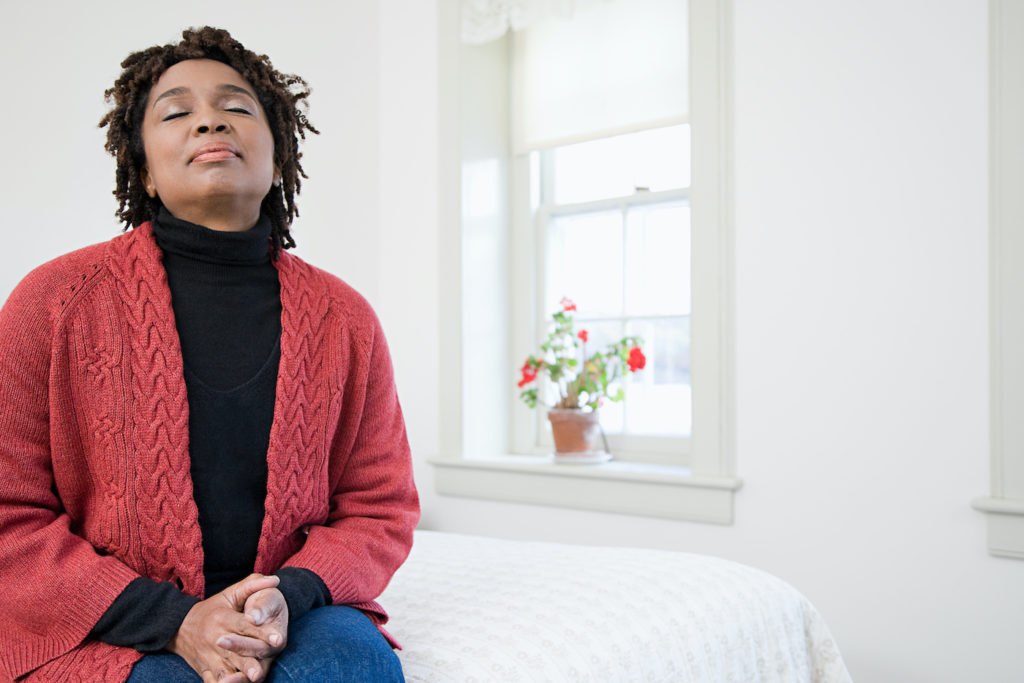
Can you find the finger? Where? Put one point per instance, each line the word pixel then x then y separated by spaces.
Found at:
pixel 234 623
pixel 273 637
pixel 257 608
pixel 238 593
pixel 265 665
pixel 256 671
pixel 277 640
pixel 246 668
pixel 267 611
pixel 227 669
pixel 262 579
pixel 209 677
pixel 265 605
pixel 245 646
pixel 253 583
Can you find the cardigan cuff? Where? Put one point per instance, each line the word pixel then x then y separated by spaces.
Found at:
pixel 145 616
pixel 303 590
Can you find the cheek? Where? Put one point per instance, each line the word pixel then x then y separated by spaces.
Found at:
pixel 268 146
pixel 155 155
pixel 267 153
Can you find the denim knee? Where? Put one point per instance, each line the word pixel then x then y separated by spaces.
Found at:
pixel 336 643
pixel 163 667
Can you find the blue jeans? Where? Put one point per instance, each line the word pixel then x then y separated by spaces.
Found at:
pixel 328 644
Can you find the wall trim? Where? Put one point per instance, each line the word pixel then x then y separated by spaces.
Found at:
pixel 1005 526
pixel 669 492
pixel 713 336
pixel 1005 506
pixel 999 506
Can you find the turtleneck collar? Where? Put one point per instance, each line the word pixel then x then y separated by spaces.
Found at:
pixel 249 247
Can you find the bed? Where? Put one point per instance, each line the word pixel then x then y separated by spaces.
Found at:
pixel 469 608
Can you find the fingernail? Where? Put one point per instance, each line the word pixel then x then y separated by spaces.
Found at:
pixel 254 673
pixel 258 617
pixel 275 639
pixel 223 641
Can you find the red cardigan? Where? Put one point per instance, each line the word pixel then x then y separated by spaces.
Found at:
pixel 94 459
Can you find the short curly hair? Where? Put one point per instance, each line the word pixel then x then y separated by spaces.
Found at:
pixel 282 96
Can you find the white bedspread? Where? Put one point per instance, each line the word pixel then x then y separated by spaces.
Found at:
pixel 470 609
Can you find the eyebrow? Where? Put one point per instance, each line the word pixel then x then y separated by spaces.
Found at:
pixel 225 88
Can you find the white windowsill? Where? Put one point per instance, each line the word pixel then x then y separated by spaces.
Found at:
pixel 620 487
pixel 1005 525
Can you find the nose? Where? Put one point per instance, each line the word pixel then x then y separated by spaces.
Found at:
pixel 209 120
pixel 219 128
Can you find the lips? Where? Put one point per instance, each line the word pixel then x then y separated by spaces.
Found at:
pixel 214 151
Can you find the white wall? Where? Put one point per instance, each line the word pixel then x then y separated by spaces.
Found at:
pixel 861 261
pixel 56 179
pixel 862 341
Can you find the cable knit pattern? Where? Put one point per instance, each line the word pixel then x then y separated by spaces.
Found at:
pixel 299 435
pixel 160 410
pixel 95 487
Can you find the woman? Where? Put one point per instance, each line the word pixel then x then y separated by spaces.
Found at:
pixel 204 472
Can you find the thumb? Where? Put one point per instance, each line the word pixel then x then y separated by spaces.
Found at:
pixel 238 593
pixel 265 605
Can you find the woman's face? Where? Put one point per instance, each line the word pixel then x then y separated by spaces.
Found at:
pixel 209 149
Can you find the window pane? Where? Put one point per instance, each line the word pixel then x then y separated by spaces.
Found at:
pixel 658 398
pixel 657 159
pixel 658 260
pixel 600 333
pixel 584 262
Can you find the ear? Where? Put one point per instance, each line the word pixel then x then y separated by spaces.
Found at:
pixel 277 176
pixel 147 182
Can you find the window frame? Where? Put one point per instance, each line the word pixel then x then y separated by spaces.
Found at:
pixel 661 450
pixel 705 489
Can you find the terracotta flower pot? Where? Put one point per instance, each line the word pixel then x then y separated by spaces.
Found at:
pixel 577 436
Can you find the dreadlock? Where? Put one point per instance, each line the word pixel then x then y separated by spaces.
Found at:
pixel 279 94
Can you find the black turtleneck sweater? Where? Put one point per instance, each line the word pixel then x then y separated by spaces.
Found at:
pixel 227 309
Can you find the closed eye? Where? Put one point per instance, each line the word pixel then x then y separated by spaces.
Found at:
pixel 240 110
pixel 174 116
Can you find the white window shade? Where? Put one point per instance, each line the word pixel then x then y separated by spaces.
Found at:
pixel 612 68
pixel 487 20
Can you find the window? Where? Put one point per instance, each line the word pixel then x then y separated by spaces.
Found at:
pixel 524 194
pixel 613 225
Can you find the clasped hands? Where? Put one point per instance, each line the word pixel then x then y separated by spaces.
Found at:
pixel 234 636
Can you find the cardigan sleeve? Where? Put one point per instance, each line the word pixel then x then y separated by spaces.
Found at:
pixel 374 506
pixel 303 591
pixel 145 616
pixel 55 584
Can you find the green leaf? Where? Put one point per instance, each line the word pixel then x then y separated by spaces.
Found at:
pixel 529 397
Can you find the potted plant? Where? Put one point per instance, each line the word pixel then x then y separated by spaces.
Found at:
pixel 583 383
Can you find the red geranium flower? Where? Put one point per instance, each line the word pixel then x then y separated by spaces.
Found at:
pixel 637 360
pixel 529 374
pixel 582 382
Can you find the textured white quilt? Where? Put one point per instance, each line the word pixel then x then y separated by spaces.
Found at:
pixel 468 608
